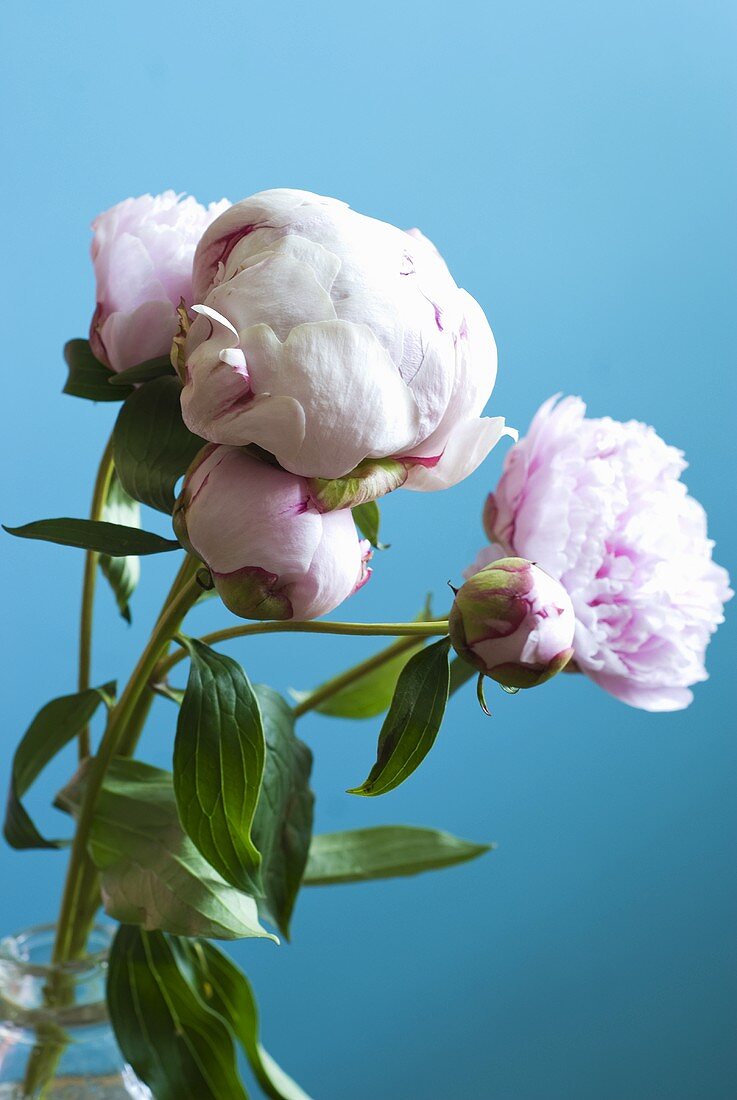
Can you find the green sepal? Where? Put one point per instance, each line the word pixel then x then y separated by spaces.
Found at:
pixel 372 478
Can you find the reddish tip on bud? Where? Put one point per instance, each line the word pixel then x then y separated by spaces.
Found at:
pixel 514 623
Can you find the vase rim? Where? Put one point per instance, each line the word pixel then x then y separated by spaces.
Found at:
pixel 12 944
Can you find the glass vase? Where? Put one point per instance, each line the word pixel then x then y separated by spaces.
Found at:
pixel 65 1050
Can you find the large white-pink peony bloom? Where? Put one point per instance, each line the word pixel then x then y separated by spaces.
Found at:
pixel 600 505
pixel 272 555
pixel 327 337
pixel 142 251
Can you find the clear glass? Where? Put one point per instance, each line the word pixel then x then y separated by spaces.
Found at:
pixel 79 1049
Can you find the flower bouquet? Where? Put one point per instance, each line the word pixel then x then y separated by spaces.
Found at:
pixel 281 364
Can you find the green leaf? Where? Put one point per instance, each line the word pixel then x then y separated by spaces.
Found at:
pixel 370 694
pixel 152 874
pixel 282 826
pixel 122 573
pixel 89 534
pixel 219 755
pixel 386 851
pixel 88 377
pixel 367 519
pixel 143 372
pixel 152 447
pixel 413 721
pixel 177 1045
pixel 53 727
pixel 460 673
pixel 227 991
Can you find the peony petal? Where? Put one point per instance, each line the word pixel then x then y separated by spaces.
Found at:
pixel 131 338
pixel 355 404
pixel 468 445
pixel 278 290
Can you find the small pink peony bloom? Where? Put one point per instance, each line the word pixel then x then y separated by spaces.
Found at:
pixel 271 554
pixel 600 505
pixel 327 337
pixel 142 251
pixel 514 623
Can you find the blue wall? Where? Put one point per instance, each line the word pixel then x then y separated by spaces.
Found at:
pixel 577 165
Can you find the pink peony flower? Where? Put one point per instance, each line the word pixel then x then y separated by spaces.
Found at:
pixel 601 507
pixel 514 623
pixel 142 251
pixel 327 337
pixel 271 554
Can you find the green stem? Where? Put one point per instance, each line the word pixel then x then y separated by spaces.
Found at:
pixel 363 630
pixel 89 581
pixel 344 679
pixel 114 738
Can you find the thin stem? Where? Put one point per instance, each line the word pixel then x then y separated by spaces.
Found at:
pixel 89 581
pixel 364 630
pixel 120 718
pixel 344 679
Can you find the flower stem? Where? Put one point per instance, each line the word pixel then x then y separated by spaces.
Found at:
pixel 412 630
pixel 89 581
pixel 122 718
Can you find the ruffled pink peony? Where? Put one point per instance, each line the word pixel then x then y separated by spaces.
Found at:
pixel 600 506
pixel 142 251
pixel 271 554
pixel 327 338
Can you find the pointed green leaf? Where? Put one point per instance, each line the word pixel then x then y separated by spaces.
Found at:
pixel 282 826
pixel 386 851
pixel 114 539
pixel 122 573
pixel 227 991
pixel 143 372
pixel 371 693
pixel 177 1045
pixel 152 446
pixel 88 377
pixel 53 727
pixel 219 755
pixel 413 721
pixel 152 874
pixel 367 518
pixel 367 695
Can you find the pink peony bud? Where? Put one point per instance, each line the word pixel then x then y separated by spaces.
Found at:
pixel 514 623
pixel 142 251
pixel 271 554
pixel 601 506
pixel 328 338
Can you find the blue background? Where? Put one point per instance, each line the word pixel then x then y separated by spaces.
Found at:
pixel 577 165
